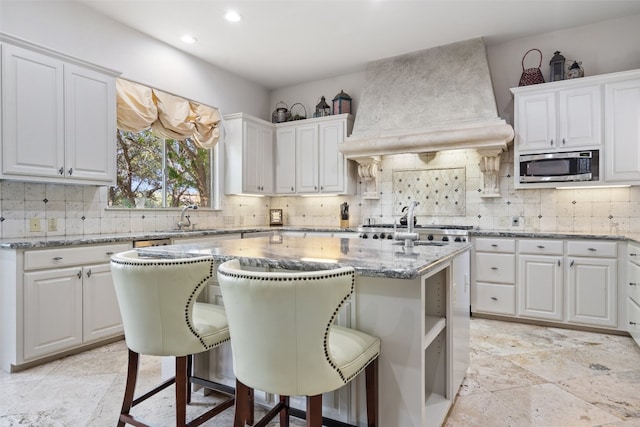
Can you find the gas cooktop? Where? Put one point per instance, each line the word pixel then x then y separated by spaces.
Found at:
pixel 425 226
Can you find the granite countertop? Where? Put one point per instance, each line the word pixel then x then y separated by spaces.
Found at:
pixel 89 239
pixel 378 258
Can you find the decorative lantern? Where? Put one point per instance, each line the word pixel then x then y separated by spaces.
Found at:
pixel 322 109
pixel 342 103
pixel 557 67
pixel 281 113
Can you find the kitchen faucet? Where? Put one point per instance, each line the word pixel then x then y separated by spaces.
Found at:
pixel 408 236
pixel 182 224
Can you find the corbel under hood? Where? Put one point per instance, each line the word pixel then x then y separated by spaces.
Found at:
pixel 426 101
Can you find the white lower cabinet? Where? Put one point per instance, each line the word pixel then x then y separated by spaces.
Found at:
pixel 494 276
pixel 592 283
pixel 540 284
pixel 572 281
pixel 540 278
pixel 52 311
pixel 632 291
pixel 56 300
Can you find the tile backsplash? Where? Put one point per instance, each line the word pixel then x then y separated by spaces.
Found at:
pixel 82 210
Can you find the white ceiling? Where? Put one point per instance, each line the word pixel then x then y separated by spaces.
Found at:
pixel 282 43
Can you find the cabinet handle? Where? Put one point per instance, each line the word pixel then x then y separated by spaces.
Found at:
pixel 494 268
pixel 89 273
pixel 493 245
pixel 70 171
pixel 61 170
pixel 563 141
pixel 56 258
pixel 632 323
pixel 633 254
pixel 552 142
pixel 315 187
pixel 633 284
pixel 80 274
pixel 109 253
pixel 540 247
pixel 571 263
pixel 494 298
pixel 558 263
pixel 592 249
pixel 291 188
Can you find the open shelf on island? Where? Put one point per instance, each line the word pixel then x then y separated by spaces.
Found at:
pixel 433 325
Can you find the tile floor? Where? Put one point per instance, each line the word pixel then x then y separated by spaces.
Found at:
pixel 520 375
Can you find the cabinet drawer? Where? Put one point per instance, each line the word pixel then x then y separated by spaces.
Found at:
pixel 592 248
pixel 493 298
pixel 495 245
pixel 633 281
pixel 542 247
pixel 47 258
pixel 633 253
pixel 499 268
pixel 633 319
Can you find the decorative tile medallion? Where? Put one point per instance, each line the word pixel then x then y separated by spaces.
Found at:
pixel 439 191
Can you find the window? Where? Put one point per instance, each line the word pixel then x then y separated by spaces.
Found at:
pixel 155 172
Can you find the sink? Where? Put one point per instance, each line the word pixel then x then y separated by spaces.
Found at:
pixel 421 243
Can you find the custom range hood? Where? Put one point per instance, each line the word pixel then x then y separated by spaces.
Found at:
pixel 426 101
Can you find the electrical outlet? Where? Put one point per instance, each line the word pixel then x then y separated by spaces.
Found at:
pixel 53 224
pixel 34 225
pixel 515 221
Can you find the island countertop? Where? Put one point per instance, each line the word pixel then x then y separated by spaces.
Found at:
pixel 378 258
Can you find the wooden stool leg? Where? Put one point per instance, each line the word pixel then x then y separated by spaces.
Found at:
pixel 250 407
pixel 189 375
pixel 181 391
pixel 314 411
pixel 284 413
pixel 371 380
pixel 242 405
pixel 132 377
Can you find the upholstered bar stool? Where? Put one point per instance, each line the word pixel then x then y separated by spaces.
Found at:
pixel 284 340
pixel 157 299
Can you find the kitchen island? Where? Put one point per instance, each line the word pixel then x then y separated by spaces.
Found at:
pixel 416 299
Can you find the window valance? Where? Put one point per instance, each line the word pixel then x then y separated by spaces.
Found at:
pixel 168 116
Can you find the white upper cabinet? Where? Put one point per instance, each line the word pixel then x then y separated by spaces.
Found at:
pixel 319 166
pixel 248 152
pixel 285 161
pixel 58 119
pixel 622 131
pixel 552 119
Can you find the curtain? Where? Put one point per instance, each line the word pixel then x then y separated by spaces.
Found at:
pixel 168 116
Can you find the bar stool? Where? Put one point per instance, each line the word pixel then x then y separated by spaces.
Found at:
pixel 284 340
pixel 157 299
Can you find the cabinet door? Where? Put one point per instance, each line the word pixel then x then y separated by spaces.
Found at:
pixel 257 158
pixel 536 121
pixel 540 286
pixel 33 113
pixel 52 311
pixel 285 161
pixel 101 314
pixel 307 159
pixel 90 125
pixel 592 291
pixel 580 118
pixel 622 131
pixel 633 322
pixel 332 161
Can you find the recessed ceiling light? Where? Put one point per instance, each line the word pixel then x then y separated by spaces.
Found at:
pixel 188 39
pixel 232 16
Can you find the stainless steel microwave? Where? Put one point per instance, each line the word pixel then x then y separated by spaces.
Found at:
pixel 571 166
